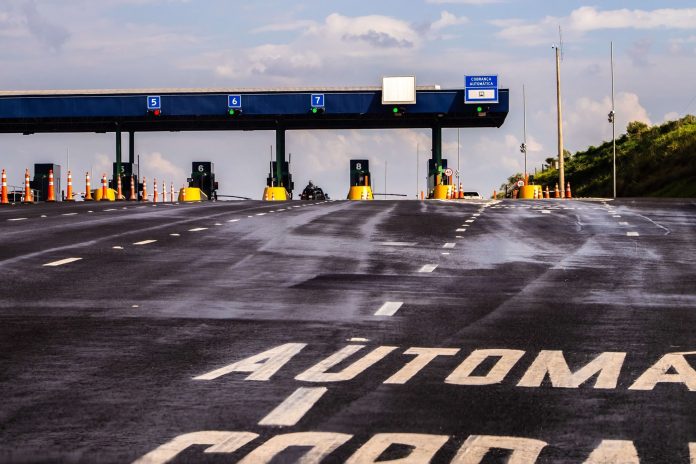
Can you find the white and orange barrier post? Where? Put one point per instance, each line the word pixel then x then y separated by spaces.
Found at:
pixel 3 194
pixel 69 191
pixel 154 190
pixel 51 196
pixel 164 192
pixel 104 191
pixel 119 189
pixel 88 188
pixel 171 191
pixel 144 198
pixel 132 190
pixel 28 196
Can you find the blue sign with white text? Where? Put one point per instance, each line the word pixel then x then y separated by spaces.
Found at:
pixel 317 100
pixel 234 101
pixel 481 89
pixel 154 103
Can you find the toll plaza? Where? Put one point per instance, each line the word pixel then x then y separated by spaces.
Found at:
pixel 248 109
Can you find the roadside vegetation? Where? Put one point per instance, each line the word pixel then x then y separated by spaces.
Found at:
pixel 657 161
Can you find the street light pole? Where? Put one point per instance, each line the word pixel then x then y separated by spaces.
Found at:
pixel 612 120
pixel 561 169
pixel 523 147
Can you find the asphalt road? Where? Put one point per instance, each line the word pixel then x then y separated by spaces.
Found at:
pixel 479 331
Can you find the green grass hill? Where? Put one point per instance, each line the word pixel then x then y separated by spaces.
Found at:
pixel 657 161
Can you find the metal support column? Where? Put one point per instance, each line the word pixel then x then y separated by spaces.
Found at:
pixel 280 157
pixel 437 149
pixel 119 170
pixel 131 147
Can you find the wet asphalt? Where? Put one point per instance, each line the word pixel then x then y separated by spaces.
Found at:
pixel 98 354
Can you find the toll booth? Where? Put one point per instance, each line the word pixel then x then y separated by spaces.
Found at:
pixel 434 172
pixel 40 182
pixel 360 173
pixel 285 177
pixel 203 177
pixel 127 169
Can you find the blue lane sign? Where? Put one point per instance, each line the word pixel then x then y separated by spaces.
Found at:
pixel 154 103
pixel 481 89
pixel 234 101
pixel 317 100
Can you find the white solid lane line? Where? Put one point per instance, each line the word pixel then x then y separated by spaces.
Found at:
pixel 62 261
pixel 428 268
pixel 389 308
pixel 295 406
pixel 632 234
pixel 198 229
pixel 144 242
pixel 17 219
pixel 448 245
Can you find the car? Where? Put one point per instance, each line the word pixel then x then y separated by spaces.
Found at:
pixel 473 196
pixel 313 192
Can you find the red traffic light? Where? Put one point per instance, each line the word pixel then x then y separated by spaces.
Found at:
pixel 155 112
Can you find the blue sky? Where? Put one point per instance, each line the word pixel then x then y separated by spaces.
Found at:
pixel 52 44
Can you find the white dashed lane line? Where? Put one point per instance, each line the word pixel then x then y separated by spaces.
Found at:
pixel 68 214
pixel 117 247
pixel 174 235
pixel 389 308
pixel 470 220
pixel 62 261
pixel 445 253
pixel 17 219
pixel 632 234
pixel 144 242
pixel 295 406
pixel 448 245
pixel 428 268
pixel 233 220
pixel 198 229
pixel 545 211
pixel 623 223
pixel 460 230
pixel 260 214
pixel 397 244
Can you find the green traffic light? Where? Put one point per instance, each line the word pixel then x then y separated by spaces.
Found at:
pixel 232 112
pixel 314 110
pixel 479 109
pixel 395 110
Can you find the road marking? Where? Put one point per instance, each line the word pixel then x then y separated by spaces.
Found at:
pixel 428 268
pixel 632 234
pixel 261 214
pixel 174 235
pixel 62 261
pixel 460 230
pixel 233 220
pixel 250 216
pixel 117 247
pixel 448 245
pixel 68 214
pixel 272 211
pixel 470 220
pixel 110 209
pixel 17 219
pixel 476 214
pixel 458 236
pixel 545 211
pixel 198 229
pixel 445 253
pixel 295 406
pixel 389 308
pixel 623 223
pixel 358 339
pixel 144 242
pixel 398 244
pixel 218 224
pixel 616 216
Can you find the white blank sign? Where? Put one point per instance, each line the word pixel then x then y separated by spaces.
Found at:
pixel 397 90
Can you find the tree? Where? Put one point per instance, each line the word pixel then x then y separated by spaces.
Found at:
pixel 636 128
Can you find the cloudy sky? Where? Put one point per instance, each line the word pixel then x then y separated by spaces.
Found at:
pixel 81 44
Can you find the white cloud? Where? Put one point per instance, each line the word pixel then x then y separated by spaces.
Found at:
pixel 671 116
pixel 587 19
pixel 447 19
pixel 161 168
pixel 286 26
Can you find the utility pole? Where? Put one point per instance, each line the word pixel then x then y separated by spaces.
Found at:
pixel 561 169
pixel 523 147
pixel 458 181
pixel 417 169
pixel 612 118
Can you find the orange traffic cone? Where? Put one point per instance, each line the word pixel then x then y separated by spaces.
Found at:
pixel 69 193
pixel 495 195
pixel 556 192
pixel 88 188
pixel 104 189
pixel 461 192
pixel 164 192
pixel 567 192
pixel 132 190
pixel 144 198
pixel 3 195
pixel 154 190
pixel 547 194
pixel 51 196
pixel 119 189
pixel 183 193
pixel 28 195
